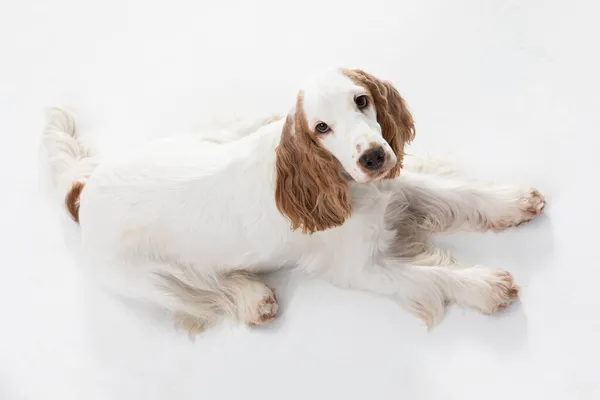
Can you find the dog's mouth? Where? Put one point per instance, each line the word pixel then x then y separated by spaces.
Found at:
pixel 369 179
pixel 379 176
pixel 382 173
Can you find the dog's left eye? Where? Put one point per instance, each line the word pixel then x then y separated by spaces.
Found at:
pixel 322 127
pixel 361 101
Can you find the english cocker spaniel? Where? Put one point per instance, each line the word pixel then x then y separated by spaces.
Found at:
pixel 188 223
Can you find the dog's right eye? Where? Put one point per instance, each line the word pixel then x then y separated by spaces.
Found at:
pixel 362 102
pixel 322 127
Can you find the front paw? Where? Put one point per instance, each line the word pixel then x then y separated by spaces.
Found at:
pixel 504 292
pixel 528 206
pixel 487 290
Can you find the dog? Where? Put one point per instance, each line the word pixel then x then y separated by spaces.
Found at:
pixel 189 223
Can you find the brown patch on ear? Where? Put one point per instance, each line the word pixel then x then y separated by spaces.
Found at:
pixel 310 190
pixel 397 125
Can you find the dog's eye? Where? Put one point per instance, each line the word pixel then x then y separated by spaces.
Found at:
pixel 361 101
pixel 322 127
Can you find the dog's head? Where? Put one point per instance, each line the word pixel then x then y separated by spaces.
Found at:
pixel 346 125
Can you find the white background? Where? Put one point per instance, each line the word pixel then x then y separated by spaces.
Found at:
pixel 507 89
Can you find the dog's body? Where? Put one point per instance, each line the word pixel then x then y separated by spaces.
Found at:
pixel 186 223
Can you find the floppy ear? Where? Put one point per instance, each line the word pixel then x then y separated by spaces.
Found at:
pixel 310 189
pixel 393 116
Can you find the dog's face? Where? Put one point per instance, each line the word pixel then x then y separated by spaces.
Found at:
pixel 346 123
pixel 341 117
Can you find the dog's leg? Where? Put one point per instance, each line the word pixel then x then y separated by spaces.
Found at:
pixel 411 242
pixel 432 256
pixel 413 247
pixel 196 301
pixel 426 290
pixel 438 204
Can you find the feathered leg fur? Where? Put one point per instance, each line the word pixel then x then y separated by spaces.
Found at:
pixel 197 301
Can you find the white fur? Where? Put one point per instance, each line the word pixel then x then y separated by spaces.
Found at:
pixel 187 222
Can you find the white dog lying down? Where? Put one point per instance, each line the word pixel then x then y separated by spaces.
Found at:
pixel 187 223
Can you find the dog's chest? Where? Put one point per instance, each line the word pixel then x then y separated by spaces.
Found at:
pixel 368 222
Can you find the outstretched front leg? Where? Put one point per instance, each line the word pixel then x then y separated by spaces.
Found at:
pixel 440 204
pixel 426 290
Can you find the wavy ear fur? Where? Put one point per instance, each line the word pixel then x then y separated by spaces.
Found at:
pixel 393 116
pixel 310 189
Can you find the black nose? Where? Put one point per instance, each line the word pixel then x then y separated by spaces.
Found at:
pixel 373 159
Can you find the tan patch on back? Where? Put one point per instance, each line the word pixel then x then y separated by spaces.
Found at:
pixel 72 200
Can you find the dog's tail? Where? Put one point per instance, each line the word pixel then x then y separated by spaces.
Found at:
pixel 70 162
